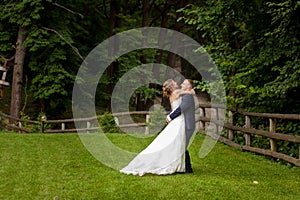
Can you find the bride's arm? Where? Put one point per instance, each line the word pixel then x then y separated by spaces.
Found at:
pixel 179 92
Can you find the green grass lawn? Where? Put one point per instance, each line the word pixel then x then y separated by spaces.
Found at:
pixel 42 166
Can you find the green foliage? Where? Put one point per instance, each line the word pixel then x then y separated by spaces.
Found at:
pixel 58 35
pixel 29 126
pixel 2 123
pixel 146 92
pixel 5 36
pixel 132 74
pixel 260 142
pixel 34 128
pixel 255 44
pixel 108 124
pixel 292 128
pixel 22 13
pixel 157 120
pixel 201 85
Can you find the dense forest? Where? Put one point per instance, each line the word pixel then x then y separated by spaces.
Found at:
pixel 255 45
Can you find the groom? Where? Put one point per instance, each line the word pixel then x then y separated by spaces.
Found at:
pixel 187 107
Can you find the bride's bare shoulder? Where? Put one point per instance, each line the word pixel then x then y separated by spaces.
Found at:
pixel 176 93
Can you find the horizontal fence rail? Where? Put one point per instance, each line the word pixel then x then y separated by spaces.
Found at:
pixel 231 129
pixel 18 122
pixel 207 116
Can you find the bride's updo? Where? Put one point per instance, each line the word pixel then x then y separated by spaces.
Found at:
pixel 168 87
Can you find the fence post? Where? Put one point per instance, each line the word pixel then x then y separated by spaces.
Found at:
pixel 20 126
pixel 247 136
pixel 147 124
pixel 43 120
pixel 88 125
pixel 63 126
pixel 117 121
pixel 272 130
pixel 229 131
pixel 42 127
pixel 217 118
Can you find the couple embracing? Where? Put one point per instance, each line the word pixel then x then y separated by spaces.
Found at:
pixel 168 153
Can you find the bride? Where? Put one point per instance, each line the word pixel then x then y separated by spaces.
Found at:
pixel 166 154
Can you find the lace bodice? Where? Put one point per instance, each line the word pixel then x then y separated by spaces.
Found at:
pixel 176 103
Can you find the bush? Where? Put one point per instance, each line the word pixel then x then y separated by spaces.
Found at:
pixel 108 124
pixel 2 123
pixel 157 120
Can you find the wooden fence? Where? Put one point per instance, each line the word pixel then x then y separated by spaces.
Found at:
pixel 206 116
pixel 248 131
pixel 5 123
pixel 42 125
pixel 90 123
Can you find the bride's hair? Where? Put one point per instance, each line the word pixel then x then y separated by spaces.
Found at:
pixel 168 87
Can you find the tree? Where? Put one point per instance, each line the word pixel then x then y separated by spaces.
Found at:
pixel 17 15
pixel 256 47
pixel 16 99
pixel 53 33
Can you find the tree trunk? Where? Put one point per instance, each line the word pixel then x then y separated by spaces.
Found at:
pixel 112 70
pixel 145 18
pixel 159 53
pixel 16 97
pixel 161 40
pixel 231 90
pixel 145 13
pixel 174 60
pixel 140 105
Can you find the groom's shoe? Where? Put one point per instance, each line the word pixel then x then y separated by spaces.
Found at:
pixel 189 171
pixel 188 166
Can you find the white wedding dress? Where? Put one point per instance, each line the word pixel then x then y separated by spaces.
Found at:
pixel 166 154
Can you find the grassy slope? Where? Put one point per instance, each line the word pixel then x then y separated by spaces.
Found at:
pixel 58 166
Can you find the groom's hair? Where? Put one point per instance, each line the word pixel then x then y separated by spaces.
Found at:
pixel 191 82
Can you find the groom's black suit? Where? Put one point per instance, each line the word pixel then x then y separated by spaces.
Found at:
pixel 187 107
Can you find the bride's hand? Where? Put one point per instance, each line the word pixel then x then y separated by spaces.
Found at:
pixel 192 91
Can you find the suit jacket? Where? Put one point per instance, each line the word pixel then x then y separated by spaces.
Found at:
pixel 187 107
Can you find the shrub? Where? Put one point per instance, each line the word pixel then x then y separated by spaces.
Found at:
pixel 108 124
pixel 157 120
